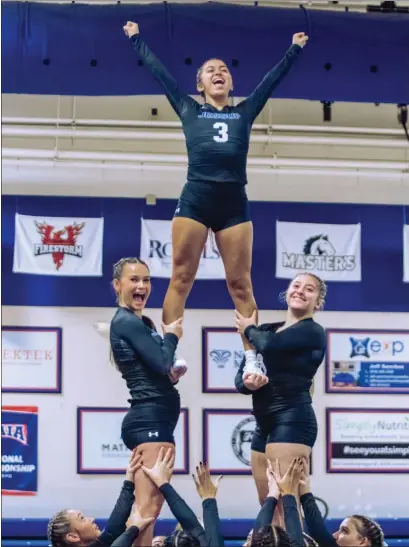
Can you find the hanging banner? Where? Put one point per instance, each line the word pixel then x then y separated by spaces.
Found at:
pixel 406 253
pixel 367 361
pixel 330 251
pixel 156 251
pixel 101 451
pixel 19 438
pixel 367 440
pixel 58 246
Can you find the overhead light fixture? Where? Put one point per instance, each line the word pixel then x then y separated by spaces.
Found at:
pixel 403 118
pixel 327 110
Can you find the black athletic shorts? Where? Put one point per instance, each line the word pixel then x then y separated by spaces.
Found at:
pixel 215 205
pixel 296 424
pixel 151 421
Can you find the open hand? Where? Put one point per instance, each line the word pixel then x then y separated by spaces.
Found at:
pixel 243 322
pixel 175 328
pixel 205 487
pixel 273 488
pixel 300 39
pixel 135 463
pixel 305 485
pixel 162 471
pixel 289 483
pixel 135 519
pixel 131 28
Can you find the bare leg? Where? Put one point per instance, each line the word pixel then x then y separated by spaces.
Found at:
pixel 286 452
pixel 259 470
pixel 236 247
pixel 188 240
pixel 148 499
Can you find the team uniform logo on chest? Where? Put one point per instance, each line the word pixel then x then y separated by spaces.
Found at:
pixel 221 127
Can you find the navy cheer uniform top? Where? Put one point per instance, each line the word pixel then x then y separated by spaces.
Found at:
pixel 217 141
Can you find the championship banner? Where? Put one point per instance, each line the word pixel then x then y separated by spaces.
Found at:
pixel 156 251
pixel 406 253
pixel 330 251
pixel 367 440
pixel 222 350
pixel 31 359
pixel 101 451
pixel 58 246
pixel 19 438
pixel 367 361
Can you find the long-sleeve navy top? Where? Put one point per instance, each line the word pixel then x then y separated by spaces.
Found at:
pixel 142 356
pixel 210 535
pixel 291 356
pixel 217 141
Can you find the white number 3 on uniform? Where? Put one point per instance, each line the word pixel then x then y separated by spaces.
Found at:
pixel 223 135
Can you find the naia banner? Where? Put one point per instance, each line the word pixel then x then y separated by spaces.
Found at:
pixel 19 450
pixel 58 246
pixel 156 251
pixel 406 253
pixel 331 251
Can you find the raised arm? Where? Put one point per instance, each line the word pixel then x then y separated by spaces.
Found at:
pixel 207 490
pixel 313 518
pixel 134 525
pixel 157 356
pixel 117 521
pixel 183 513
pixel 292 520
pixel 257 100
pixel 177 98
pixel 160 474
pixel 305 334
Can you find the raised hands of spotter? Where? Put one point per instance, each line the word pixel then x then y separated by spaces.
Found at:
pixel 135 463
pixel 162 471
pixel 288 483
pixel 174 328
pixel 300 39
pixel 135 519
pixel 131 29
pixel 243 322
pixel 205 487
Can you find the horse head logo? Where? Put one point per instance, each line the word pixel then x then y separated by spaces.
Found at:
pixel 319 245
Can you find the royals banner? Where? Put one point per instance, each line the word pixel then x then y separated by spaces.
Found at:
pixel 58 246
pixel 331 251
pixel 156 251
pixel 19 450
pixel 406 253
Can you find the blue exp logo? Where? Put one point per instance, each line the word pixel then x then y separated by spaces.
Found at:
pixel 368 346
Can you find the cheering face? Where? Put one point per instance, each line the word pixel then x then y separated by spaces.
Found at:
pixel 83 529
pixel 303 295
pixel 215 79
pixel 348 535
pixel 134 287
